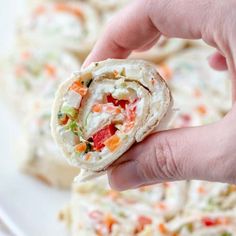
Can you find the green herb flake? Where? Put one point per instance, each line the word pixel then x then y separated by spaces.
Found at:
pixel 123 72
pixel 226 234
pixel 70 111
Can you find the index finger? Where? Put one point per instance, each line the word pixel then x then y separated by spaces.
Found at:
pixel 144 20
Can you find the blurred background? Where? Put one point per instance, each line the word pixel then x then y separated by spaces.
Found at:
pixel 41 44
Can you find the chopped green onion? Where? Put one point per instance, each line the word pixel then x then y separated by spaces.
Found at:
pixel 70 111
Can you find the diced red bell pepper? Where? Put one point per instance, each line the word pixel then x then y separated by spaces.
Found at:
pixel 117 102
pixel 209 222
pixel 142 222
pixel 102 135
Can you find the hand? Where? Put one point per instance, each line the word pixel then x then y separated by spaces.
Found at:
pixel 207 152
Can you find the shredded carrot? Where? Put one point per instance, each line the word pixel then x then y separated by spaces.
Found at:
pixel 50 69
pixel 113 143
pixel 83 91
pixel 201 190
pixel 112 109
pixel 63 7
pixel 162 228
pixel 79 88
pixel 202 110
pixel 109 221
pixel 222 221
pixel 97 108
pixel 81 147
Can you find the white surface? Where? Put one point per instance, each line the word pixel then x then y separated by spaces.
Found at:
pixel 32 206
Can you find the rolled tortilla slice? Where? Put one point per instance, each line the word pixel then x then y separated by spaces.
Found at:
pixel 210 197
pixel 36 152
pixel 29 72
pixel 137 212
pixel 164 48
pixel 70 25
pixel 99 113
pixel 105 5
pixel 203 224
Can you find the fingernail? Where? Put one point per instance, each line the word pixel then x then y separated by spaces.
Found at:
pixel 125 176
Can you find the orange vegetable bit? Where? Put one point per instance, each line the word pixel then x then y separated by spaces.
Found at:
pixel 202 110
pixel 63 7
pixel 113 143
pixel 112 109
pixel 162 229
pixel 109 221
pixel 97 108
pixel 79 88
pixel 201 190
pixel 64 120
pixel 50 70
pixel 81 147
pixel 83 91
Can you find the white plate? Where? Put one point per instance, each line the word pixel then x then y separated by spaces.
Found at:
pixel 32 206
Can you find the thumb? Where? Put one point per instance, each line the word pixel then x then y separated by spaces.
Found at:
pixel 188 153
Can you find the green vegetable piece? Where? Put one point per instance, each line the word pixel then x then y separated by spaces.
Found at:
pixel 70 111
pixel 226 234
pixel 123 72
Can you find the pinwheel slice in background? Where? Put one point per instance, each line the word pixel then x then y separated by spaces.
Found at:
pixel 108 5
pixel 37 153
pixel 203 224
pixel 163 49
pixel 71 25
pixel 201 94
pixel 94 208
pixel 102 111
pixel 210 197
pixel 32 73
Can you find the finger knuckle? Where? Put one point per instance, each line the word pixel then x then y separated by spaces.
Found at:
pixel 165 159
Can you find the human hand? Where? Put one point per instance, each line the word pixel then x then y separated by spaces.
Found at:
pixel 207 152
